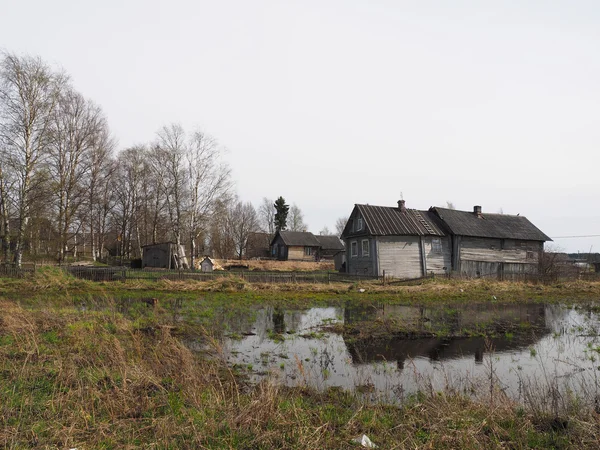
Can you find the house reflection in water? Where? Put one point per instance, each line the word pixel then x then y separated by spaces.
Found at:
pixel 514 327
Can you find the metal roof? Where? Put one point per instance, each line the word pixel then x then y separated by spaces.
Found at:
pixel 501 226
pixel 390 221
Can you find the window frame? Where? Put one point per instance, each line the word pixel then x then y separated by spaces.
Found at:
pixel 436 245
pixel 308 251
pixel 362 247
pixel 359 224
pixel 354 249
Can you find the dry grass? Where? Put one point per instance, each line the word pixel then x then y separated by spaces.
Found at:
pixel 91 379
pixel 269 265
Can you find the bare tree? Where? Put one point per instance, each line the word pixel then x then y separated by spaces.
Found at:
pixel 449 204
pixel 169 158
pixel 101 167
pixel 325 231
pixel 296 219
pixel 208 179
pixel 76 125
pixel 29 92
pixel 266 216
pixel 242 221
pixel 340 224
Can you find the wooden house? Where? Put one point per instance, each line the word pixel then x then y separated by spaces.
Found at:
pixel 395 241
pixel 329 246
pixel 258 245
pixel 495 245
pixel 295 245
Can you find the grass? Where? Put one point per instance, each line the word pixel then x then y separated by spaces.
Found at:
pixel 100 379
pixel 53 281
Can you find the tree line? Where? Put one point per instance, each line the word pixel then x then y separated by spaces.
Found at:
pixel 65 190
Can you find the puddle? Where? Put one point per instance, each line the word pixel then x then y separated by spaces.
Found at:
pixel 533 346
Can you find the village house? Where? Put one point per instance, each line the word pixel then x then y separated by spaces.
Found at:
pixel 295 246
pixel 408 243
pixel 395 241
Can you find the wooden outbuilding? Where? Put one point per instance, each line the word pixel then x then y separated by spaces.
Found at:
pixel 164 255
pixel 295 246
pixel 207 264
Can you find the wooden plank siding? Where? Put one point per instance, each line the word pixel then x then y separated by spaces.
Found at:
pixel 298 254
pixel 399 256
pixel 361 264
pixel 437 262
pixel 490 257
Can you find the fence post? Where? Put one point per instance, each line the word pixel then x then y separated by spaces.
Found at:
pixel 383 280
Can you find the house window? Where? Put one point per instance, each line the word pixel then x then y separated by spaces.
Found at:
pixel 365 247
pixel 308 251
pixel 359 224
pixel 354 248
pixel 436 245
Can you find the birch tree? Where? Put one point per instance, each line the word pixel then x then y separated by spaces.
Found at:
pixel 29 92
pixel 208 180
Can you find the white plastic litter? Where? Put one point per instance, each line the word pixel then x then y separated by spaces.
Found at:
pixel 365 441
pixel 361 290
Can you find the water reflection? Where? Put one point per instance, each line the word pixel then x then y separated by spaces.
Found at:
pixel 529 342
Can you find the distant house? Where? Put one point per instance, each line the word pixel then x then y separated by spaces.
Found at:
pixel 258 245
pixel 329 246
pixel 409 243
pixel 295 245
pixel 400 242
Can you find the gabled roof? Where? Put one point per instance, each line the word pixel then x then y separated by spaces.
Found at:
pixel 297 238
pixel 500 226
pixel 330 242
pixel 391 221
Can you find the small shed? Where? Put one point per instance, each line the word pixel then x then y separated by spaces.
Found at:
pixel 207 265
pixel 164 255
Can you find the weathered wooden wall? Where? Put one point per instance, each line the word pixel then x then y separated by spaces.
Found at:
pixel 489 257
pixel 399 256
pixel 361 264
pixel 437 262
pixel 297 254
pixel 158 255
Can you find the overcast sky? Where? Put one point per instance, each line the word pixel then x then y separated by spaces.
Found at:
pixel 332 103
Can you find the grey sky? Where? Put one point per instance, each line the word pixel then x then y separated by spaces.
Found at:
pixel 331 103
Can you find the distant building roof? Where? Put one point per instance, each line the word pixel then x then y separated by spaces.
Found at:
pixel 392 221
pixel 330 242
pixel 298 238
pixel 501 226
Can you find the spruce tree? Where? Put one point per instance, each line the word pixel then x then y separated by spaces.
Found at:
pixel 281 214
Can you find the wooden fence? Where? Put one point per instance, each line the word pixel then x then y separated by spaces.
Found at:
pixel 124 274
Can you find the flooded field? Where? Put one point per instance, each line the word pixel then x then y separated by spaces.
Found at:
pixel 388 352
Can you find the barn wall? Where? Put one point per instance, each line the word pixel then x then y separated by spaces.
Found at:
pixel 158 255
pixel 399 256
pixel 438 263
pixel 488 257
